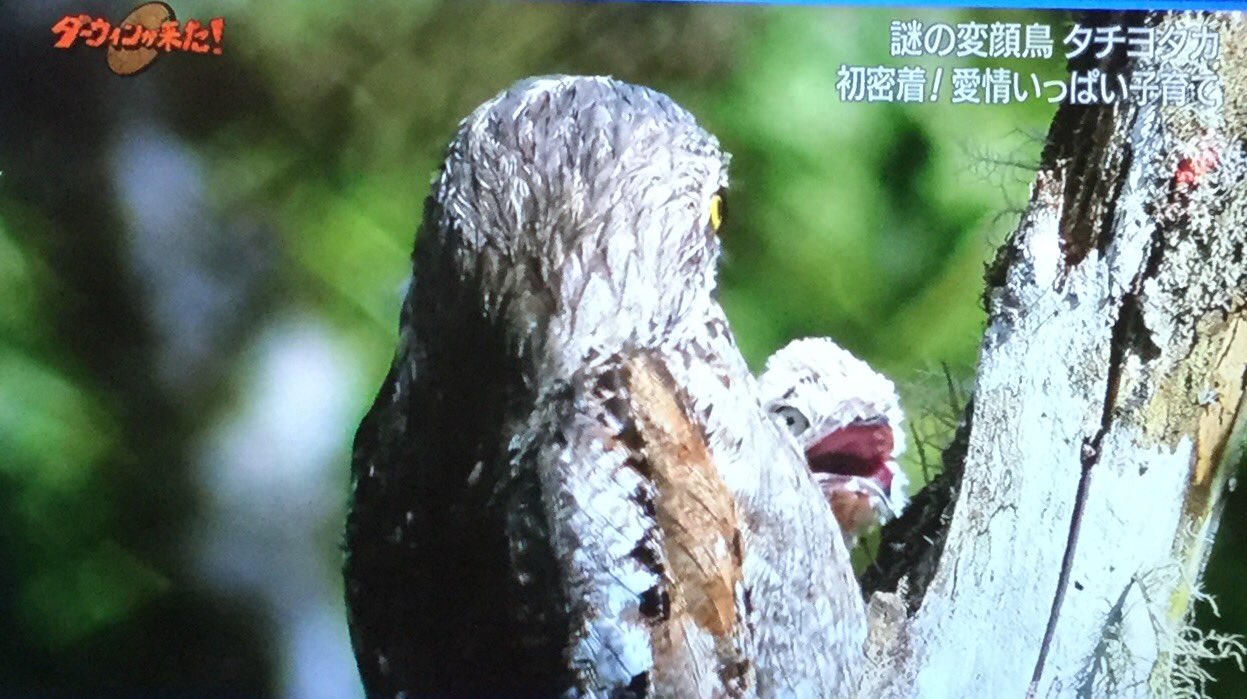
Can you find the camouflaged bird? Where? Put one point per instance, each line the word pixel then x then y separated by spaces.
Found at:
pixel 847 419
pixel 567 485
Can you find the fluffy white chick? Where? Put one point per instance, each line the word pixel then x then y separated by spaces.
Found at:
pixel 847 419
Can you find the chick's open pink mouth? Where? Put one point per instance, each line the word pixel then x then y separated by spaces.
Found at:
pixel 861 449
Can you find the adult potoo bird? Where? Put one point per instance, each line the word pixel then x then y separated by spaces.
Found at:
pixel 567 484
pixel 847 419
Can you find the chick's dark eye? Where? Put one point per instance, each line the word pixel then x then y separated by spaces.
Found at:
pixel 793 418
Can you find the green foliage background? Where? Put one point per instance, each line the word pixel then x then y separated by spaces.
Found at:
pixel 313 139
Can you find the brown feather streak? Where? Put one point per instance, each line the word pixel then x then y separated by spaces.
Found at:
pixel 694 509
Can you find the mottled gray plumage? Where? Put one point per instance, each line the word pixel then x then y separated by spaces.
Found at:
pixel 564 485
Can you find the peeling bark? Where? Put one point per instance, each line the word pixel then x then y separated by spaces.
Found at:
pixel 1111 381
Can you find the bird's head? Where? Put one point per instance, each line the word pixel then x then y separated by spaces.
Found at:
pixel 847 419
pixel 582 212
pixel 569 442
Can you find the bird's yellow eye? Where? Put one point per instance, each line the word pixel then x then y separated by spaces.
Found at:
pixel 718 211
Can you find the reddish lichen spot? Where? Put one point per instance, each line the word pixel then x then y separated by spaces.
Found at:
pixel 1191 169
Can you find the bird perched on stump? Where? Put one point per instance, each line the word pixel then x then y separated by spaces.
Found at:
pixel 567 484
pixel 847 419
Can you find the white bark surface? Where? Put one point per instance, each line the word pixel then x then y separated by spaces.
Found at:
pixel 1111 376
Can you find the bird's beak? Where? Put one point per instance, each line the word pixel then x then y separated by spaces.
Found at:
pixel 881 495
pixel 855 461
